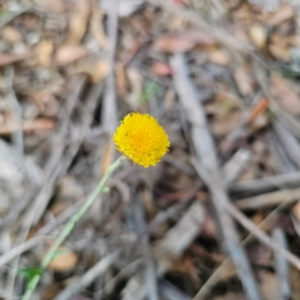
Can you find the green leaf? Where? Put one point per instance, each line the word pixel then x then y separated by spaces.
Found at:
pixel 30 272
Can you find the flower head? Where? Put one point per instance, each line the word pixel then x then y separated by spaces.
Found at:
pixel 140 138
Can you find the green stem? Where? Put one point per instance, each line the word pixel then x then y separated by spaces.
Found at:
pixel 69 227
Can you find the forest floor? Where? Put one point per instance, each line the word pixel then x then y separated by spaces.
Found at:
pixel 219 217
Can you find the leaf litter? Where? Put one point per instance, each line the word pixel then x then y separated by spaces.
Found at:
pixel 160 225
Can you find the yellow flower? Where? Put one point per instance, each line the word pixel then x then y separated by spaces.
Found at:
pixel 141 139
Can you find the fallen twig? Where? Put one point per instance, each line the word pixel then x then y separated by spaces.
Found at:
pixel 266 184
pixel 97 270
pixel 269 199
pixel 281 266
pixel 206 153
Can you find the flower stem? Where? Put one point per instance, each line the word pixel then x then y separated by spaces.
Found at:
pixel 69 227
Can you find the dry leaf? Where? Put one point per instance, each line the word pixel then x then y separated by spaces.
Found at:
pixel 182 42
pixel 44 51
pixel 225 124
pixel 244 81
pixel 46 102
pixel 280 52
pixel 78 21
pixel 284 13
pixel 258 36
pixel 268 284
pixel 294 280
pixel 260 254
pixel 259 108
pixel 219 57
pixel 97 28
pixel 296 210
pixel 294 41
pixel 69 189
pixel 260 122
pixel 284 95
pixel 67 54
pixel 136 85
pixel 65 260
pixel 161 69
pixel 96 72
pixel 51 291
pixel 7 59
pixel 223 103
pixel 121 80
pixel 11 35
pixel 37 125
pixel 27 126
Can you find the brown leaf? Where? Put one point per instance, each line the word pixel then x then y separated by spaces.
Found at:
pixel 225 124
pixel 7 59
pixel 284 13
pixel 259 108
pixel 258 36
pixel 97 28
pixel 27 126
pixel 37 125
pixel 96 72
pixel 161 69
pixel 51 291
pixel 222 104
pixel 244 81
pixel 64 261
pixel 136 84
pixel 67 54
pixel 284 95
pixel 294 41
pixel 268 284
pixel 280 52
pixel 11 35
pixel 78 21
pixel 121 80
pixel 182 42
pixel 46 102
pixel 296 210
pixel 260 254
pixel 44 51
pixel 219 57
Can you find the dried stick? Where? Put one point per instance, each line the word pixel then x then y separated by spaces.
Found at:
pixel 269 199
pixel 96 271
pixel 206 152
pixel 17 136
pixel 249 225
pixel 236 165
pixel 289 142
pixel 127 272
pixel 263 237
pixel 53 166
pixel 176 240
pixel 109 110
pixel 263 185
pixel 227 263
pixel 282 268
